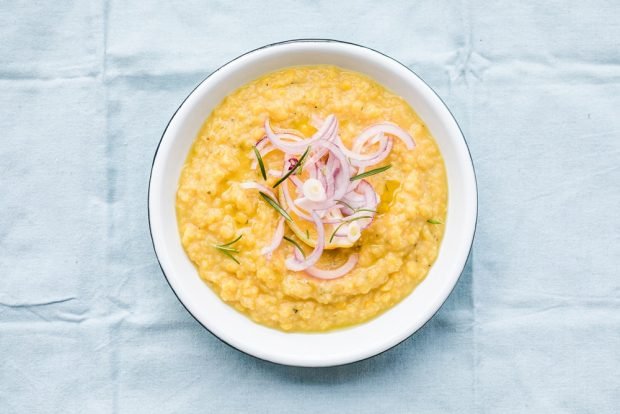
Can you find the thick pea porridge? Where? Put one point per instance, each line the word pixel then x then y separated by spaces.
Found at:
pixel 313 198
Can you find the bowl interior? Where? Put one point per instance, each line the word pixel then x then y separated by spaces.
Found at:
pixel 341 346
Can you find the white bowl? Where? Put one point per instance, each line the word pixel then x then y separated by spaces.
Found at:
pixel 340 346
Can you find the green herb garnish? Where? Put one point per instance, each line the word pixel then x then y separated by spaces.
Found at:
pixel 232 242
pixel 307 234
pixel 334 233
pixel 294 243
pixel 274 204
pixel 345 204
pixel 345 222
pixel 302 160
pixel 230 256
pixel 355 210
pixel 227 250
pixel 260 162
pixel 294 169
pixel 371 172
pixel 434 221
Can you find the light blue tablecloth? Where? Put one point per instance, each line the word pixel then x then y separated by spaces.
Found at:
pixel 87 321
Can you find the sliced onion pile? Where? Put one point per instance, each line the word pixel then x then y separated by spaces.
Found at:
pixel 321 190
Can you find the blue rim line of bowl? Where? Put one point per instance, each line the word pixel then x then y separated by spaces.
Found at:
pixel 310 40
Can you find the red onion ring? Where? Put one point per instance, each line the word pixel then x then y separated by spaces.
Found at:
pixel 329 185
pixel 317 155
pixel 292 263
pixel 335 213
pixel 369 194
pixel 371 202
pixel 387 128
pixel 346 210
pixel 259 187
pixel 322 177
pixel 277 141
pixel 298 183
pixel 288 202
pixel 354 199
pixel 343 178
pixel 313 170
pixel 261 142
pixel 342 231
pixel 360 142
pixel 264 147
pixel 382 154
pixel 333 273
pixel 356 156
pixel 320 152
pixel 318 206
pixel 276 240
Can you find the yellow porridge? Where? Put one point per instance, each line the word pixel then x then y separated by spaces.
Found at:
pixel 312 199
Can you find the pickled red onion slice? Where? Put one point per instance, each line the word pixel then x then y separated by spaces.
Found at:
pixel 276 240
pixel 326 274
pixel 293 263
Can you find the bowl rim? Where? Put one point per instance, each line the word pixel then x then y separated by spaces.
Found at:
pixel 313 40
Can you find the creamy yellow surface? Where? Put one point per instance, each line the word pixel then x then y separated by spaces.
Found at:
pixel 395 252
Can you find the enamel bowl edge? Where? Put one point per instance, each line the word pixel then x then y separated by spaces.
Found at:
pixel 340 346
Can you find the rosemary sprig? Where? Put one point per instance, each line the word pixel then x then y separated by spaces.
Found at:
pixel 274 204
pixel 232 242
pixel 345 204
pixel 228 251
pixel 294 169
pixel 260 162
pixel 294 243
pixel 307 234
pixel 303 159
pixel 345 222
pixel 366 209
pixel 434 221
pixel 371 172
pixel 335 231
pixel 230 256
pixel 355 210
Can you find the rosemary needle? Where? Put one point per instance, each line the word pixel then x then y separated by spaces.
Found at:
pixel 228 251
pixel 294 243
pixel 371 172
pixel 292 170
pixel 345 222
pixel 260 162
pixel 274 204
